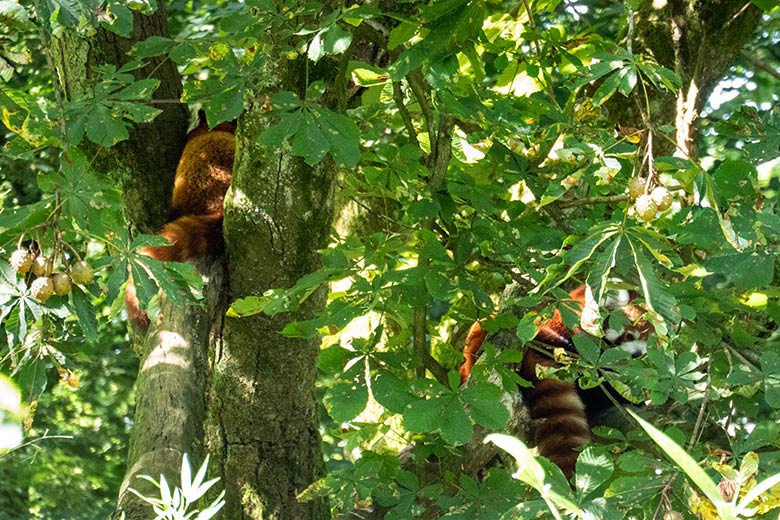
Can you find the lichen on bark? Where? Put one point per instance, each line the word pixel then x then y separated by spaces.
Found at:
pixel 263 416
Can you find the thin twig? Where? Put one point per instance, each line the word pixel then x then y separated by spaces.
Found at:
pixel 700 418
pixel 761 65
pixel 606 199
pixel 739 356
pixel 416 84
pixel 398 97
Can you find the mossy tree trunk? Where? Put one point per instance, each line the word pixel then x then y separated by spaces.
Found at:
pixel 170 389
pixel 251 388
pixel 263 422
pixel 697 39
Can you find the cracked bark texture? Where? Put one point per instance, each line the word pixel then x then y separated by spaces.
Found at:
pixel 697 39
pixel 145 164
pixel 170 397
pixel 263 426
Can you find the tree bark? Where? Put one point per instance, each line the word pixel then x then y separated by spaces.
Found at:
pixel 263 424
pixel 145 164
pixel 170 401
pixel 699 40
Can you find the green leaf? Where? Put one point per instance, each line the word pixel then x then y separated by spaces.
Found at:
pixel 422 415
pixel 335 40
pixel 770 365
pixel 439 286
pixel 342 135
pixel 484 404
pixel 594 467
pixel 140 89
pixel 584 250
pixel 366 75
pixel 657 297
pixel 391 392
pixel 225 105
pixel 765 5
pixel 31 378
pixel 145 288
pixel 85 312
pixel 587 348
pixel 118 19
pixel 248 306
pixel 599 276
pixel 734 180
pixel 346 399
pixel 532 473
pixel 746 270
pixel 606 89
pixel 454 423
pixel 681 458
pixel 139 112
pixel 103 128
pixel 152 46
pixel 275 135
pixel 628 78
pixel 309 142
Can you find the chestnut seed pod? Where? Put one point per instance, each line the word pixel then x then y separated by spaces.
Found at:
pixel 662 198
pixel 81 272
pixel 40 266
pixel 645 207
pixel 21 260
pixel 42 288
pixel 62 284
pixel 636 187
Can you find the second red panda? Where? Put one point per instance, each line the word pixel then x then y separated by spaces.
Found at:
pixel 202 179
pixel 558 411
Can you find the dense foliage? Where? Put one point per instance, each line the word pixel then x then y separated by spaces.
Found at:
pixel 481 145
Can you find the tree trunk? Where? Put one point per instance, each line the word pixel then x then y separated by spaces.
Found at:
pixel 170 400
pixel 145 164
pixel 263 422
pixel 699 40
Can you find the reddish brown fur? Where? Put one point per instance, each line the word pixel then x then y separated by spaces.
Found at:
pixel 556 407
pixel 202 179
pixel 474 340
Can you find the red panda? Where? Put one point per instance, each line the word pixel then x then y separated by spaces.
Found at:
pixel 202 179
pixel 558 411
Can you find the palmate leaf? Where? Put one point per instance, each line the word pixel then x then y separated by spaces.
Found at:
pixel 657 297
pixel 315 132
pixel 349 396
pixel 582 251
pixel 688 465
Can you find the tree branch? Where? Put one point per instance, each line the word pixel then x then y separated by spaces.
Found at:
pixel 760 64
pixel 398 98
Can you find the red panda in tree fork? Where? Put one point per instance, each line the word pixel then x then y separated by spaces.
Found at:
pixel 202 179
pixel 558 411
